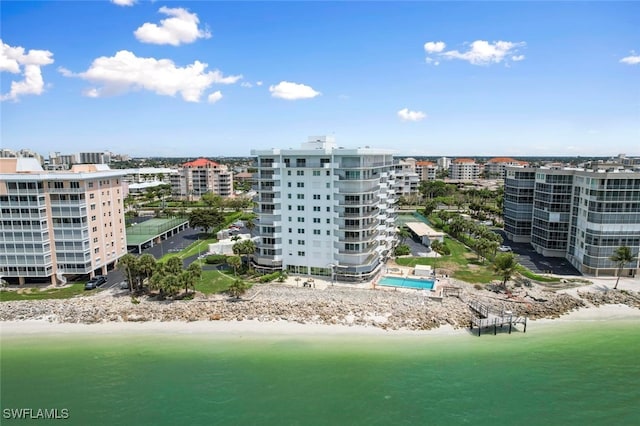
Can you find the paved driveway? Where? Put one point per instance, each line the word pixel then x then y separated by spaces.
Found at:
pixel 529 258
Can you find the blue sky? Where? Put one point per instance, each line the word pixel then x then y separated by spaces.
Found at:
pixel 191 78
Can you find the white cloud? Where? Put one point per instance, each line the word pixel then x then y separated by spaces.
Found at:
pixel 214 97
pixel 125 72
pixel 292 91
pixel 632 59
pixel 407 115
pixel 480 52
pixel 258 83
pixel 15 61
pixel 124 2
pixel 434 46
pixel 181 27
pixel 246 84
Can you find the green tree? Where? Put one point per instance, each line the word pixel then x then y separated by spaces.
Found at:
pixel 211 200
pixel 430 206
pixel 234 262
pixel 171 284
pixel 621 256
pixel 146 265
pixel 205 219
pixel 128 264
pixel 238 288
pixel 505 265
pixel 244 248
pixel 403 234
pixel 173 265
pixel 250 225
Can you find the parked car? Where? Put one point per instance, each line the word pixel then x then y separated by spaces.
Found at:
pixel 504 248
pixel 91 284
pixel 101 279
pixel 124 285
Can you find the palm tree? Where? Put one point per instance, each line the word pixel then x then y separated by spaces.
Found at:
pixel 505 265
pixel 128 264
pixel 238 288
pixel 403 233
pixel 146 265
pixel 250 225
pixel 234 262
pixel 621 256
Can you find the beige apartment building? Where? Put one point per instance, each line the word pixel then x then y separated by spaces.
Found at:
pixel 55 224
pixel 200 176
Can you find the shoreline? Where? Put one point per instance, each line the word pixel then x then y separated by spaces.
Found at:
pixel 286 329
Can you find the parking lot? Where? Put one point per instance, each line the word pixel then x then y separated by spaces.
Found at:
pixel 537 263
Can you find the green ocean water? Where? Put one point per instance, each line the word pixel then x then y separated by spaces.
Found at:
pixel 576 374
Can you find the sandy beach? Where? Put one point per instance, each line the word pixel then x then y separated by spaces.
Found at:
pixel 286 310
pixel 275 329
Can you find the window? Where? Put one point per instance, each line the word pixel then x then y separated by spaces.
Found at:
pixel 300 253
pixel 316 173
pixel 300 172
pixel 328 197
pixel 290 230
pixel 290 218
pixel 290 241
pixel 316 208
pixel 300 230
pixel 94 229
pixel 300 219
pixel 328 173
pixel 328 220
pixel 300 196
pixel 288 184
pixel 92 196
pixel 300 184
pixel 328 232
pixel 93 218
pixel 316 232
pixel 316 196
pixel 300 208
pixel 289 207
pixel 96 250
pixel 289 196
pixel 328 185
pixel 328 209
pixel 300 242
pixel 93 206
pixel 316 220
pixel 288 172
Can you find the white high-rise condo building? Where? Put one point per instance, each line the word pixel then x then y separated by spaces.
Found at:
pixel 54 224
pixel 324 210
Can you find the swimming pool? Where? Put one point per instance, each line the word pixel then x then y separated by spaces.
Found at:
pixel 406 282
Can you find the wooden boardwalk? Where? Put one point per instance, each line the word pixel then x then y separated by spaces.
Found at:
pixel 485 318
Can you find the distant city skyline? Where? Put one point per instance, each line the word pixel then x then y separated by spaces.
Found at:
pixel 211 79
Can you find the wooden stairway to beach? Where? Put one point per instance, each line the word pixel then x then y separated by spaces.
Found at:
pixel 485 318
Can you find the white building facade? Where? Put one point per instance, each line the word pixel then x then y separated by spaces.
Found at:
pixel 324 210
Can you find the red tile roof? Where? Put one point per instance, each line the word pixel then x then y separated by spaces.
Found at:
pixel 463 160
pixel 424 163
pixel 201 162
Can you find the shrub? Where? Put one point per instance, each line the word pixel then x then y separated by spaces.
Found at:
pixel 269 277
pixel 402 250
pixel 215 259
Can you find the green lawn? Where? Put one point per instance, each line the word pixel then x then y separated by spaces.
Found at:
pixel 54 293
pixel 214 282
pixel 462 263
